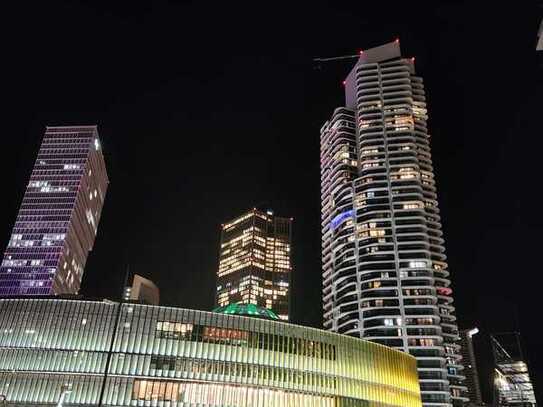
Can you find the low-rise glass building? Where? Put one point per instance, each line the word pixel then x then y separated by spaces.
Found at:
pixel 59 349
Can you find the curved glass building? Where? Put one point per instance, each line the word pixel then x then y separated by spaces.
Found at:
pixel 385 274
pixel 60 349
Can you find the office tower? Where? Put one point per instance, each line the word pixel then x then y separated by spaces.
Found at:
pixel 58 218
pixel 143 291
pixel 385 274
pixel 512 383
pixel 255 263
pixel 470 366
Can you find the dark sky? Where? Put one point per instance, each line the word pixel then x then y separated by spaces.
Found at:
pixel 206 109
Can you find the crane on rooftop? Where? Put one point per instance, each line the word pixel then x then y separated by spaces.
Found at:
pixel 342 57
pixel 335 58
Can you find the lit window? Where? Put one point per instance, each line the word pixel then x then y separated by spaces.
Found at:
pixel 417 264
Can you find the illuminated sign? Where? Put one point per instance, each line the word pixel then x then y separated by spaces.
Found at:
pixel 339 218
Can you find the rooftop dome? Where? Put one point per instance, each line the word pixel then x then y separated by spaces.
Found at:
pixel 247 310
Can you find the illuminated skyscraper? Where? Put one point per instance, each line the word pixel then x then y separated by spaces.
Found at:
pixel 384 267
pixel 58 218
pixel 255 262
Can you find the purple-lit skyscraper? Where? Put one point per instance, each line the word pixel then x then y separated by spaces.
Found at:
pixel 58 218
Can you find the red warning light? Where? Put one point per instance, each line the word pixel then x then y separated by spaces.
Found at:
pixel 413 59
pixel 361 52
pixel 397 40
pixel 344 83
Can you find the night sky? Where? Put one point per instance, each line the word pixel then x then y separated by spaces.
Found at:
pixel 207 109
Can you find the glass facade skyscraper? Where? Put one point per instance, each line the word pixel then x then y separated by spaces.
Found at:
pixel 58 218
pixel 169 357
pixel 384 266
pixel 255 262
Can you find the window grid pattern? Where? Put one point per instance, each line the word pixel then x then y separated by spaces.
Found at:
pixel 209 363
pixel 58 218
pixel 255 262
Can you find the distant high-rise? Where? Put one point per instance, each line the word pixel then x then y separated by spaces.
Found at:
pixel 470 366
pixel 255 262
pixel 143 291
pixel 58 218
pixel 384 266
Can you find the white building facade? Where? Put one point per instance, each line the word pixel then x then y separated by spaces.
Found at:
pixel 385 274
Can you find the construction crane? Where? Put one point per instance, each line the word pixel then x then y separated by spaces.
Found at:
pixel 318 61
pixel 342 57
pixel 335 58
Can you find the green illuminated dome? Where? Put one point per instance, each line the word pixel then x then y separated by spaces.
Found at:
pixel 247 310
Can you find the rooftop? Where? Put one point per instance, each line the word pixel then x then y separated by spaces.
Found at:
pixel 248 310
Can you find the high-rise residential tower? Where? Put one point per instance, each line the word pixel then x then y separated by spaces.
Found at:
pixel 255 262
pixel 470 366
pixel 58 218
pixel 384 268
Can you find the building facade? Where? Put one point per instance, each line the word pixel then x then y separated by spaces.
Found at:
pixel 58 218
pixel 255 262
pixel 385 274
pixel 469 362
pixel 512 383
pixel 142 290
pixel 162 356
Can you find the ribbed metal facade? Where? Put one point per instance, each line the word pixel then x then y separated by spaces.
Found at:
pixel 164 356
pixel 58 218
pixel 384 266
